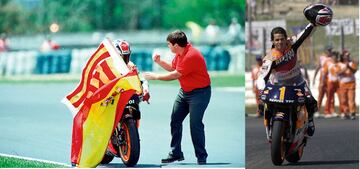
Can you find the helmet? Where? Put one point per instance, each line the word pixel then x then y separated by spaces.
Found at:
pixel 318 14
pixel 124 49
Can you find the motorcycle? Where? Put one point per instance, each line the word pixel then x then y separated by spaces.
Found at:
pixel 124 143
pixel 286 119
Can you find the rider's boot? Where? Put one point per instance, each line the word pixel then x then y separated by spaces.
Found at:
pixel 311 107
pixel 268 133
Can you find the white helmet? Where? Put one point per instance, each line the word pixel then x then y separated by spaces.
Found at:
pixel 318 14
pixel 124 49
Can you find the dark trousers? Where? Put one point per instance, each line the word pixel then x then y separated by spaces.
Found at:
pixel 195 103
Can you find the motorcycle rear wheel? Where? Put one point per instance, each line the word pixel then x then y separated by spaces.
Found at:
pixel 130 149
pixel 277 143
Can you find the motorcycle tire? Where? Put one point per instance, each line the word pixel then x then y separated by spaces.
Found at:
pixel 277 143
pixel 107 159
pixel 130 150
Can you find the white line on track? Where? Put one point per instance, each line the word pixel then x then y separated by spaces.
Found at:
pixel 230 89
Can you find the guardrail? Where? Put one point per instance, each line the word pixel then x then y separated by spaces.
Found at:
pixel 217 58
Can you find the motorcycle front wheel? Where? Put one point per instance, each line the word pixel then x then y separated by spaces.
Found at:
pixel 130 145
pixel 277 143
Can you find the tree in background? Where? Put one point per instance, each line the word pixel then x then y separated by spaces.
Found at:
pixel 18 17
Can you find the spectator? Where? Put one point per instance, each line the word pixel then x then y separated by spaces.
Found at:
pixel 3 48
pixel 332 85
pixel 212 33
pixel 234 32
pixel 347 84
pixel 3 43
pixel 326 56
pixel 254 76
pixel 49 45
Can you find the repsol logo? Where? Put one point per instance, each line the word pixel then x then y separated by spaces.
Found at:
pixel 275 100
pixel 287 57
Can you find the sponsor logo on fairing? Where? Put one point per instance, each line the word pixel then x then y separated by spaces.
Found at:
pixel 275 100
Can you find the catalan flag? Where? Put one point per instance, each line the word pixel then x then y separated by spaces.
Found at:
pixel 105 78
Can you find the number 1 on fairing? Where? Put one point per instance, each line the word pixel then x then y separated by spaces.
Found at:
pixel 282 93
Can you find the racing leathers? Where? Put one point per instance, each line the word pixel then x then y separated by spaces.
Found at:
pixel 282 68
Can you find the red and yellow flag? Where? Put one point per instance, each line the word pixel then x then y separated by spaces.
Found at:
pixel 103 77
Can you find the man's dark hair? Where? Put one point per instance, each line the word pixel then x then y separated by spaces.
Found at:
pixel 278 30
pixel 177 37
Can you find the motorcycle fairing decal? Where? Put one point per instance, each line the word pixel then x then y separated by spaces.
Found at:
pixel 301 126
pixel 282 93
pixel 293 147
pixel 298 140
pixel 301 118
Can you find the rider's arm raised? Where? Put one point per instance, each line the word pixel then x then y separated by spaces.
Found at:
pixel 303 35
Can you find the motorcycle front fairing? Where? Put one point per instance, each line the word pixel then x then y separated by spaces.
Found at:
pixel 287 103
pixel 280 94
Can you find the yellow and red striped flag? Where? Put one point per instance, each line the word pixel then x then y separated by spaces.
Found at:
pixel 93 123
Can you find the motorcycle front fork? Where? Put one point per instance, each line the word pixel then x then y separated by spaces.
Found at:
pixel 266 122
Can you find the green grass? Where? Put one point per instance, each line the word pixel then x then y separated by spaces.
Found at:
pixel 10 162
pixel 217 80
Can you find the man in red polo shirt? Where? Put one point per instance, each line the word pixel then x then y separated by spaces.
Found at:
pixel 189 68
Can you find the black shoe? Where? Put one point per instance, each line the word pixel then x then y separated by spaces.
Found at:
pixel 352 116
pixel 311 128
pixel 201 162
pixel 172 158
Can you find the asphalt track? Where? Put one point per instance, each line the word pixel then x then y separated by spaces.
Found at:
pixel 33 123
pixel 335 145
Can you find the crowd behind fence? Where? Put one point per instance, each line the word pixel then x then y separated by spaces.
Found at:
pixel 229 59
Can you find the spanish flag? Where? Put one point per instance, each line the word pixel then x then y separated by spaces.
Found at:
pixel 104 79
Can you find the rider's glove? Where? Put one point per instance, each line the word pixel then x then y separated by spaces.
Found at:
pixel 260 92
pixel 146 96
